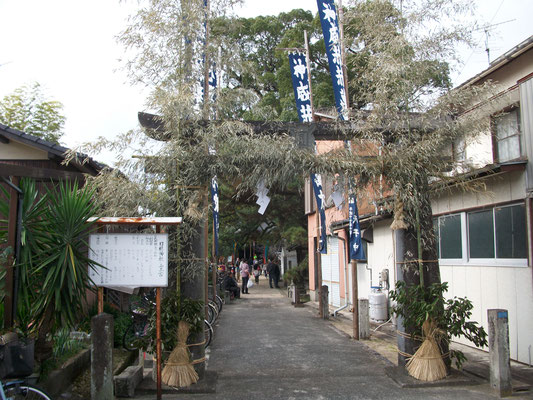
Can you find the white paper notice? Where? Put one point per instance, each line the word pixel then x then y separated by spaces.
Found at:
pixel 129 259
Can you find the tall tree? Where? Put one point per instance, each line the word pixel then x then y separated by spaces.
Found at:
pixel 28 110
pixel 283 223
pixel 257 82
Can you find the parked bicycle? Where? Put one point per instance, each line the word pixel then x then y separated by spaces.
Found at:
pixel 214 307
pixel 140 308
pixel 15 364
pixel 213 311
pixel 209 333
pixel 20 389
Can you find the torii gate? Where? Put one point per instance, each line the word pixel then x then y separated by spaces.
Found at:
pixel 305 134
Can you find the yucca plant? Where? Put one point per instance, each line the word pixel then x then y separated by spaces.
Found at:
pixel 3 260
pixel 53 263
pixel 64 263
pixel 33 234
pixel 33 230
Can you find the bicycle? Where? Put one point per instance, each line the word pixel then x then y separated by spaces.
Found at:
pixel 20 389
pixel 15 363
pixel 209 333
pixel 139 323
pixel 139 309
pixel 219 303
pixel 212 312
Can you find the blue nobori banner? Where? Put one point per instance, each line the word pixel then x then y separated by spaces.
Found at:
pixel 321 205
pixel 214 199
pixel 300 84
pixel 356 248
pixel 330 30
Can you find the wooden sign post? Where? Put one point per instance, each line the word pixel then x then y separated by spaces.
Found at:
pixel 139 260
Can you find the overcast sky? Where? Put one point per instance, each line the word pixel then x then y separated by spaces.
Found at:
pixel 68 46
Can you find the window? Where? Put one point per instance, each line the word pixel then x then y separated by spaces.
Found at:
pixel 511 238
pixel 495 236
pixel 449 234
pixel 507 135
pixel 364 243
pixel 481 234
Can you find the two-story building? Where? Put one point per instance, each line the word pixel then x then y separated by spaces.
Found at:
pixel 484 236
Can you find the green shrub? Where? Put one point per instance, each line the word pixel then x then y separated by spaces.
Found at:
pixel 64 348
pixel 173 309
pixel 298 274
pixel 121 322
pixel 417 304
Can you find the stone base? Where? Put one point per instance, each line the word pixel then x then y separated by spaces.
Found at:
pixel 205 385
pixel 404 380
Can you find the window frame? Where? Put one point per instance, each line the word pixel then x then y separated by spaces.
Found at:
pixel 466 260
pixel 463 250
pixel 519 134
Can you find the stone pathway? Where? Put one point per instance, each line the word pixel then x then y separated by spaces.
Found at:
pixel 264 348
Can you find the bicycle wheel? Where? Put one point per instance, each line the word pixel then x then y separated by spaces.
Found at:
pixel 132 335
pixel 219 302
pixel 212 313
pixel 209 333
pixel 20 390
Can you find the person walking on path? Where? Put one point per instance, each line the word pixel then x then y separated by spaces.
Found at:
pixel 257 272
pixel 245 275
pixel 273 273
pixel 237 270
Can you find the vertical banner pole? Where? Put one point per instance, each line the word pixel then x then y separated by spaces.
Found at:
pixel 206 63
pixel 206 248
pixel 356 253
pixel 355 297
pixel 319 266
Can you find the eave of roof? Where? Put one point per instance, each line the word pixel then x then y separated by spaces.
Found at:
pixel 84 163
pixel 498 63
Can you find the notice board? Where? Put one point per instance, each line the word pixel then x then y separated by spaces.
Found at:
pixel 137 259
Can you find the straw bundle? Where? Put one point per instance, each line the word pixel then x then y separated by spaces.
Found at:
pixel 399 217
pixel 427 364
pixel 178 370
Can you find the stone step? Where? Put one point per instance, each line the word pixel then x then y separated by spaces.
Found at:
pixel 128 380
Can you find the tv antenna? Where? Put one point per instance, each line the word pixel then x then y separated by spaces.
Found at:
pixel 487 29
